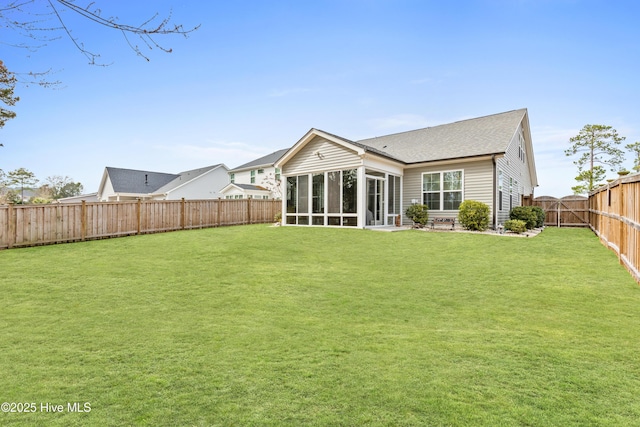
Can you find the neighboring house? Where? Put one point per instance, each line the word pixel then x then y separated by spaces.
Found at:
pixel 89 197
pixel 128 184
pixel 258 179
pixel 332 181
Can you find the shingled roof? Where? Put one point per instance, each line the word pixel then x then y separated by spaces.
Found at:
pixel 267 160
pixel 133 181
pixel 466 138
pixel 138 181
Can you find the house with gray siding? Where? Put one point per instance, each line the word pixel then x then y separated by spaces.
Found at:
pixel 328 180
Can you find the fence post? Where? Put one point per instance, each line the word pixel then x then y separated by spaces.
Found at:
pixel 11 226
pixel 182 213
pixel 249 210
pixel 83 221
pixel 139 215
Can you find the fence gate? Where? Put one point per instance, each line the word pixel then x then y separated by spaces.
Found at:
pixel 569 211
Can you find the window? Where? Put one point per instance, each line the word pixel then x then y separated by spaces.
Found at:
pixel 317 206
pixel 333 191
pixel 253 177
pixel 278 174
pixel 350 191
pixel 431 190
pixel 330 198
pixel 394 195
pixel 292 194
pixel 442 190
pixel 260 171
pixel 521 149
pixel 233 177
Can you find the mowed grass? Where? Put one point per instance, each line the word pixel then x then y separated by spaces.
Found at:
pixel 260 325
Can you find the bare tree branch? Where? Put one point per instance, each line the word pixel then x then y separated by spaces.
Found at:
pixel 43 22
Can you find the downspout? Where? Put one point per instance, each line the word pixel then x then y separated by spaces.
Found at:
pixel 495 213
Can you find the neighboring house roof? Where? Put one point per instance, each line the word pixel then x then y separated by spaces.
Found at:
pixel 268 160
pixel 89 197
pixel 132 181
pixel 467 138
pixel 246 187
pixel 138 181
pixel 250 187
pixel 186 176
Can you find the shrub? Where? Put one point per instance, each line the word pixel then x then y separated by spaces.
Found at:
pixel 277 218
pixel 526 214
pixel 516 225
pixel 539 215
pixel 474 215
pixel 419 214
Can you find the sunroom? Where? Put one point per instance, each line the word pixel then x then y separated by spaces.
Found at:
pixel 329 181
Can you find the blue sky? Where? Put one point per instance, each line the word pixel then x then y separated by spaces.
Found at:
pixel 258 75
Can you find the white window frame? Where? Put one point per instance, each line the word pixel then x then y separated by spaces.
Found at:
pixel 442 191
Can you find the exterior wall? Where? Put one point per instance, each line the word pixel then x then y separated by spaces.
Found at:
pixel 207 186
pixel 107 191
pixel 477 185
pixel 242 177
pixel 514 167
pixel 265 179
pixel 238 193
pixel 321 155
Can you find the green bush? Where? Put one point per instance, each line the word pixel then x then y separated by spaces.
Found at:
pixel 539 215
pixel 474 215
pixel 419 214
pixel 526 214
pixel 515 225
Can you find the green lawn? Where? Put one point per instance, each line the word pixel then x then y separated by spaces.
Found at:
pixel 260 325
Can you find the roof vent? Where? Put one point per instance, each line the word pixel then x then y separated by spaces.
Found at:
pixel 146 179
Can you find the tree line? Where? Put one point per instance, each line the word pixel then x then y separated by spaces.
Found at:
pixel 598 147
pixel 15 183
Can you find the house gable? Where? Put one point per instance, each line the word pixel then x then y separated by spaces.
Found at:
pixel 319 151
pixel 201 183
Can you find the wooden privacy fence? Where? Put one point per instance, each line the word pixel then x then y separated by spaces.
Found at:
pixel 614 215
pixel 30 225
pixel 569 211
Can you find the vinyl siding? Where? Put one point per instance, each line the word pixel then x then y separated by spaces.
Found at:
pixel 244 177
pixel 514 168
pixel 477 185
pixel 334 157
pixel 207 186
pixel 107 191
